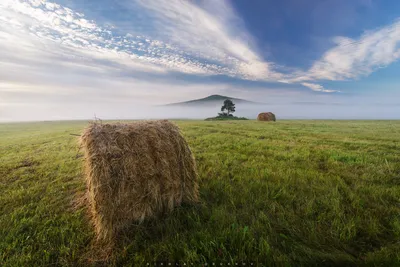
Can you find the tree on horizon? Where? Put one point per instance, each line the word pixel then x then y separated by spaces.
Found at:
pixel 229 106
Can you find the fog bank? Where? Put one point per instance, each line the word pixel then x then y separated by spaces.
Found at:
pixel 124 111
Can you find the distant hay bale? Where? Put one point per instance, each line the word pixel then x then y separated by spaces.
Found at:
pixel 136 171
pixel 266 116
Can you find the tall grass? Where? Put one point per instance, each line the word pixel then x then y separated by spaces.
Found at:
pixel 288 193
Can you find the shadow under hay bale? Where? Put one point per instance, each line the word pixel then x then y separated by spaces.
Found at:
pixel 134 172
pixel 266 116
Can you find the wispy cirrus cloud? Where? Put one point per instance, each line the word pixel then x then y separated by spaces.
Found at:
pixel 318 88
pixel 194 41
pixel 355 58
pixel 213 32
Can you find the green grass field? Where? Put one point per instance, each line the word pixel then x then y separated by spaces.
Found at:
pixel 288 193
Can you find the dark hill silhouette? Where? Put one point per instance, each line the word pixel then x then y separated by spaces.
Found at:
pixel 212 100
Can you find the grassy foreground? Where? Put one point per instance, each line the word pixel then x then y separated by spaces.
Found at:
pixel 288 193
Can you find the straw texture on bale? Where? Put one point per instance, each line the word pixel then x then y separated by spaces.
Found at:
pixel 136 171
pixel 267 116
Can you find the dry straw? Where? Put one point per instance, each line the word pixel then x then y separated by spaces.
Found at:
pixel 136 171
pixel 267 116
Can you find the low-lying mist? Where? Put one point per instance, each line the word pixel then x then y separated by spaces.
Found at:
pixel 125 112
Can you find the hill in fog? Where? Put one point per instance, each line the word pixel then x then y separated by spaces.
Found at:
pixel 212 100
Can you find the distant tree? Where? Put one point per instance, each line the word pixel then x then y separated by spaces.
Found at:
pixel 229 107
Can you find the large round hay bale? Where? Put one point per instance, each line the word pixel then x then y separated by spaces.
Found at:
pixel 266 116
pixel 136 171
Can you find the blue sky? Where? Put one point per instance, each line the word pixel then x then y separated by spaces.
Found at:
pixel 70 59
